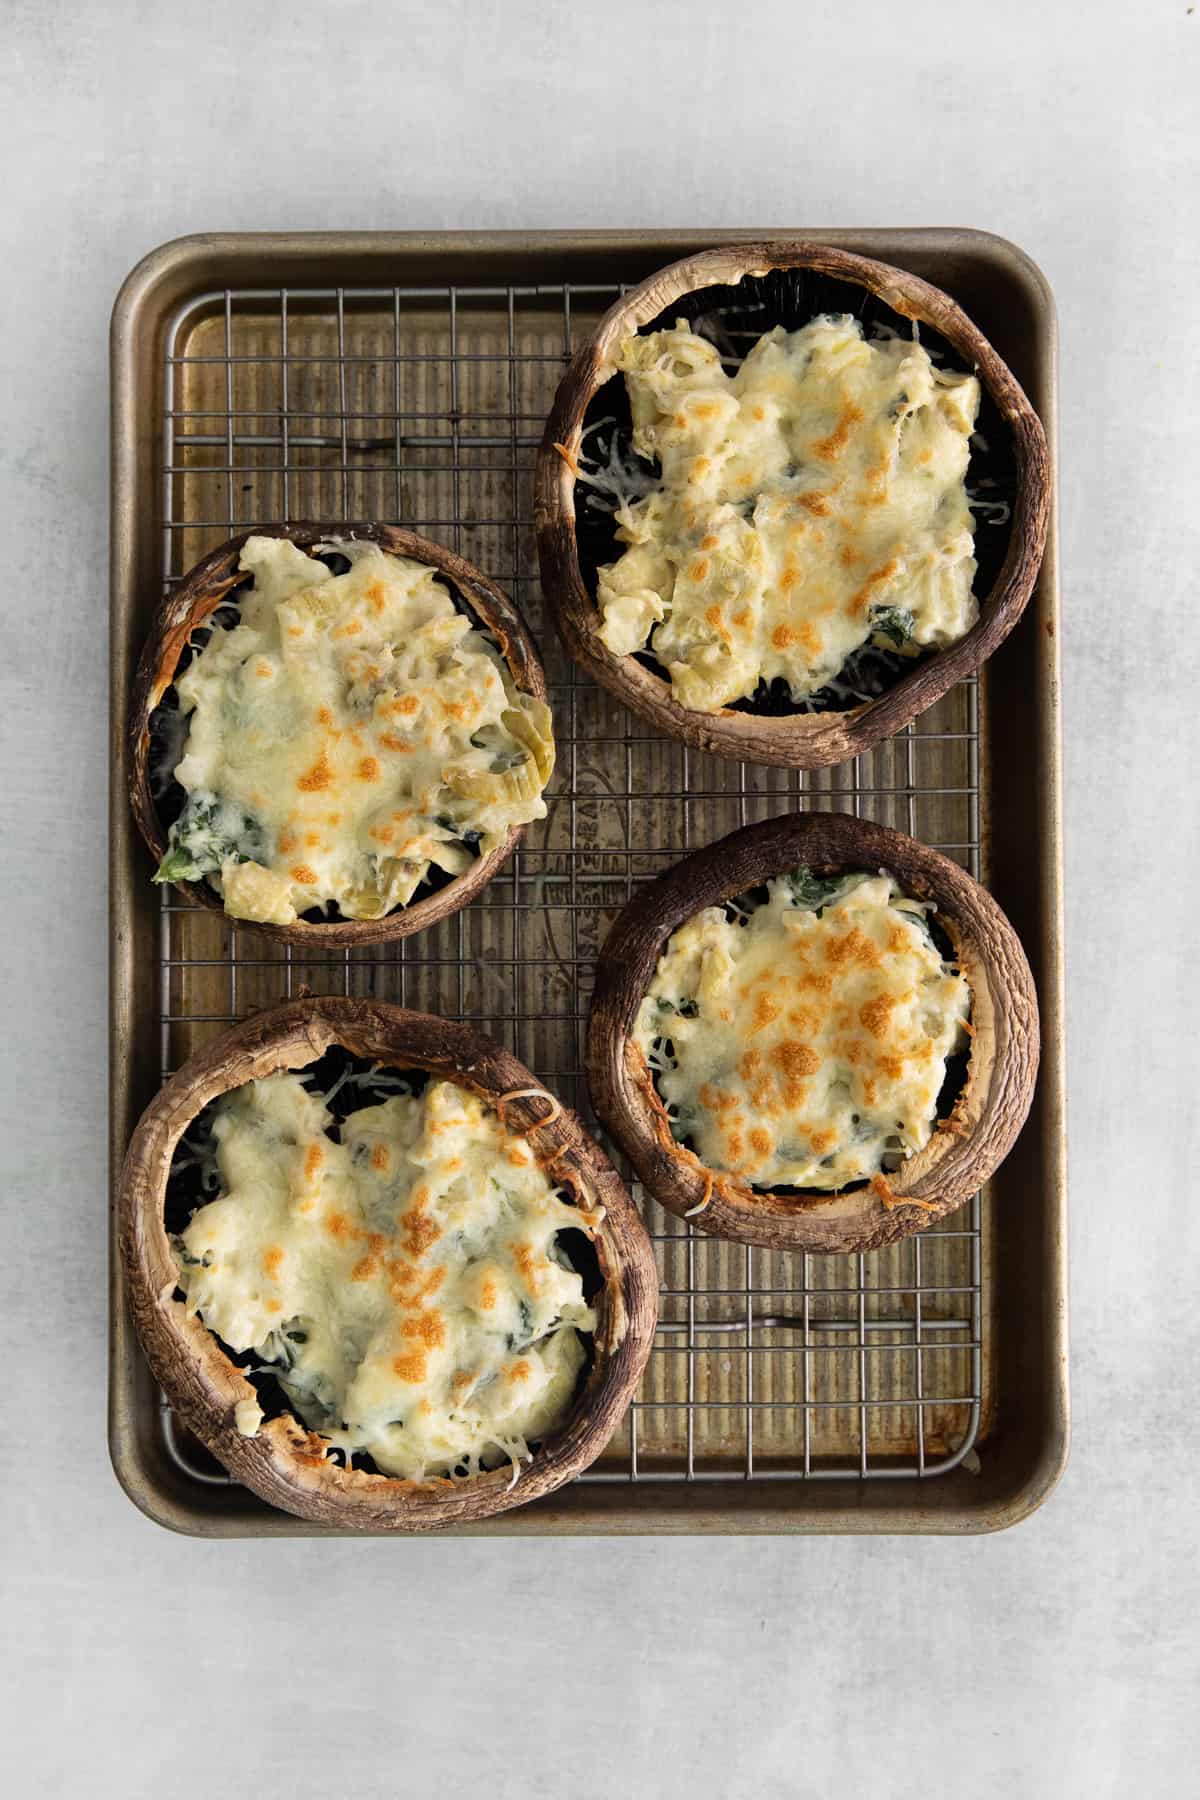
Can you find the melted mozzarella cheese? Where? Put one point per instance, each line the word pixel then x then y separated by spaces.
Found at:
pixel 804 1047
pixel 403 1281
pixel 347 735
pixel 810 503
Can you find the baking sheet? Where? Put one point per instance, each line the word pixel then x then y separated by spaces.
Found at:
pixel 407 377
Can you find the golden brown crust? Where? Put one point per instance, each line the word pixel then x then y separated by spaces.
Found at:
pixel 802 740
pixel 199 595
pixel 285 1463
pixel 960 1157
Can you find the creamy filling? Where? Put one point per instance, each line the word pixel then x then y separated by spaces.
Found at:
pixel 804 1041
pixel 403 1280
pixel 810 503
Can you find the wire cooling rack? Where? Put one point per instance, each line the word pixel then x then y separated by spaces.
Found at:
pixel 424 406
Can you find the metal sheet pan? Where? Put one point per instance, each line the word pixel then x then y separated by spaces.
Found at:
pixel 406 376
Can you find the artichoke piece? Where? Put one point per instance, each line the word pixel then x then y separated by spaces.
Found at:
pixel 313 605
pixel 252 892
pixel 530 723
pixel 453 857
pixel 365 903
pixel 398 880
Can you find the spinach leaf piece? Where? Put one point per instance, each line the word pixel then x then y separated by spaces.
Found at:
pixel 812 891
pixel 207 833
pixel 894 623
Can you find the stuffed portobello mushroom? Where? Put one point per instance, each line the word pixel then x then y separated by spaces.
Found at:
pixel 815 1034
pixel 786 498
pixel 339 733
pixel 381 1273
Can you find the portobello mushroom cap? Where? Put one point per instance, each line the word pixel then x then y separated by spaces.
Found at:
pixel 965 1149
pixel 208 586
pixel 798 740
pixel 286 1463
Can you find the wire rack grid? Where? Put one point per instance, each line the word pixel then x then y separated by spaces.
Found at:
pixel 425 406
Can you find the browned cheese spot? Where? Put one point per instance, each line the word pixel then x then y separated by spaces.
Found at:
pixel 412 1366
pixel 831 447
pixel 860 600
pixel 795 1059
pixel 875 1014
pixel 320 776
pixel 765 1013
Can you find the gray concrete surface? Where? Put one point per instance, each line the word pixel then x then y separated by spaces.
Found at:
pixel 1058 1659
